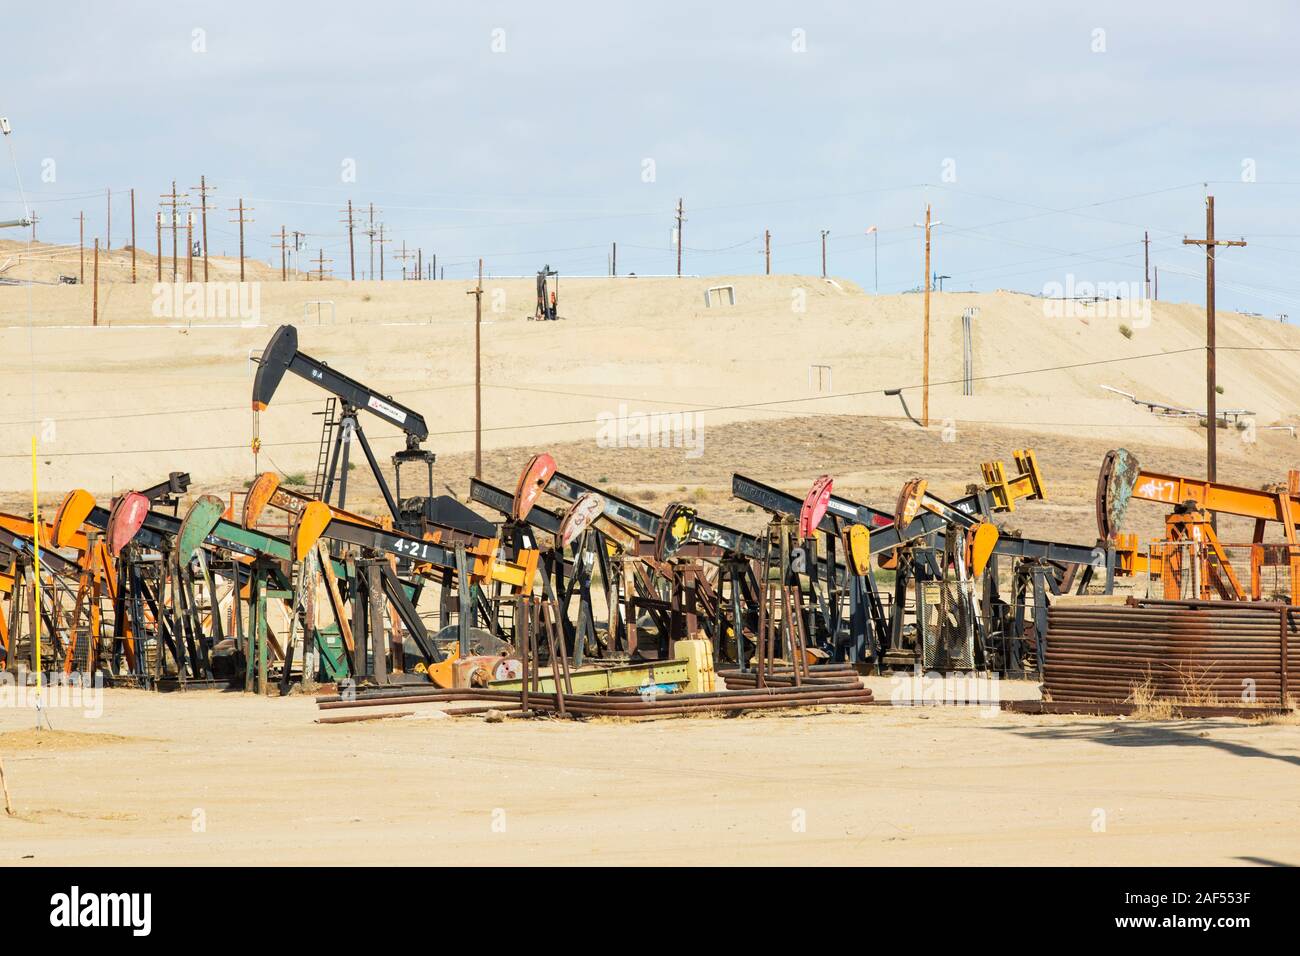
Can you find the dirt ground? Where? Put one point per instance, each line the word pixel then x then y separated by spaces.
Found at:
pixel 229 779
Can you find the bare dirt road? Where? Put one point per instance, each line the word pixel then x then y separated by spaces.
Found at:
pixel 229 779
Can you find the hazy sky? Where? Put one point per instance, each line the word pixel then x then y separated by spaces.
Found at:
pixel 1047 136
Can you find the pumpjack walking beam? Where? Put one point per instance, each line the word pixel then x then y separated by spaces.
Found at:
pixel 282 355
pixel 1048 565
pixel 563 577
pixel 736 554
pixel 1195 501
pixel 868 624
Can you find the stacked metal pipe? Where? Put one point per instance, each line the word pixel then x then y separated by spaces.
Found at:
pixel 1193 652
pixel 616 705
pixel 818 675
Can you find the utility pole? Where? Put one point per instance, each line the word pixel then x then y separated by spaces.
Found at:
pixel 381 241
pixel 925 393
pixel 680 220
pixel 404 256
pixel 1146 263
pixel 284 249
pixel 81 246
pixel 174 211
pixel 419 264
pixel 1155 286
pixel 825 233
pixel 241 209
pixel 874 233
pixel 174 200
pixel 767 252
pixel 94 308
pixel 133 237
pixel 298 238
pixel 352 249
pixel 1211 413
pixel 34 218
pixel 370 231
pixel 159 256
pixel 613 259
pixel 189 247
pixel 203 188
pixel 320 265
pixel 108 227
pixel 477 293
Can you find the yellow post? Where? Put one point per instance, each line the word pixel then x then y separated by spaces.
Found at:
pixel 36 551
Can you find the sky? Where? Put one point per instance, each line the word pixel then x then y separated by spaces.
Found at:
pixel 1046 137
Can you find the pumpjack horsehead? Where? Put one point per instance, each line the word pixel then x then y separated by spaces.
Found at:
pixel 165 593
pixel 583 540
pixel 575 549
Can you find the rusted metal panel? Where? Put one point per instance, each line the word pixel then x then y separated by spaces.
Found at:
pixel 1214 654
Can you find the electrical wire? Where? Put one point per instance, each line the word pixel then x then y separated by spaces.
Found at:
pixel 739 406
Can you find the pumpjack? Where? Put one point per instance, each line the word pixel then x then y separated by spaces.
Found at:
pixel 918 553
pixel 409 514
pixel 548 295
pixel 1192 549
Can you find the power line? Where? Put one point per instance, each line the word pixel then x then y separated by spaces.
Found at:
pixel 736 406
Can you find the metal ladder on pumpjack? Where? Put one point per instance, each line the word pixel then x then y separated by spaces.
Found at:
pixel 326 444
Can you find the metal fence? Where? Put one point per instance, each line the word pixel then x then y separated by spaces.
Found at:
pixel 946 626
pixel 1196 571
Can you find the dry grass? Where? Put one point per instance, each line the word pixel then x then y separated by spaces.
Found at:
pixel 1290 719
pixel 1147 706
pixel 1196 692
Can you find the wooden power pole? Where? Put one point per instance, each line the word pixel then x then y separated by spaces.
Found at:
pixel 925 348
pixel 174 201
pixel 352 250
pixel 477 293
pixel 1146 264
pixel 1211 387
pixel 133 237
pixel 241 209
pixel 825 233
pixel 284 250
pixel 370 231
pixel 81 246
pixel 321 263
pixel 204 189
pixel 680 220
pixel 94 308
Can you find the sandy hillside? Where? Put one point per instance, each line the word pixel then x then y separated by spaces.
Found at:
pixel 44 263
pixel 150 391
